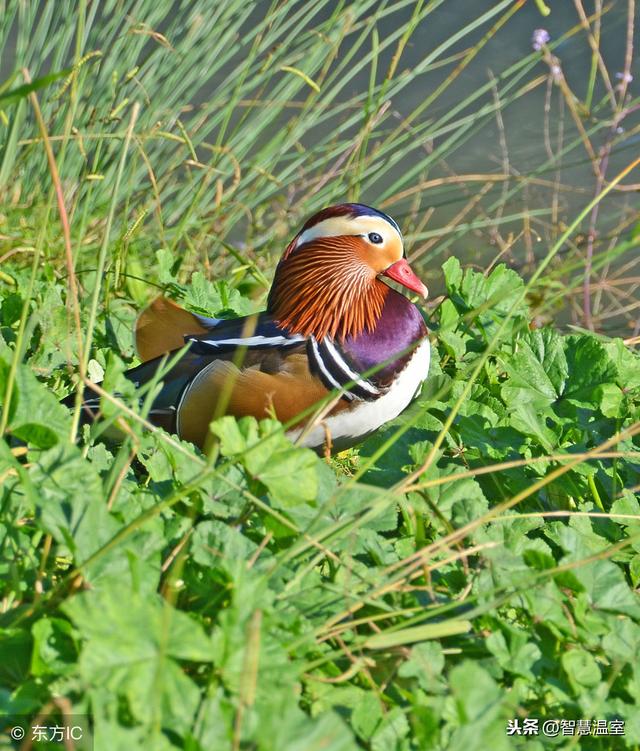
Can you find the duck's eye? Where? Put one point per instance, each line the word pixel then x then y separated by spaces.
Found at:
pixel 375 238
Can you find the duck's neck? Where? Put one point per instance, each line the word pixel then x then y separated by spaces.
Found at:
pixel 326 294
pixel 392 342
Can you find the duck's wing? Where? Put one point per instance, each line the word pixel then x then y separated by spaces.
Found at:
pixel 163 326
pixel 246 366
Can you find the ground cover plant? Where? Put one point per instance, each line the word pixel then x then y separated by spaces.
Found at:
pixel 473 565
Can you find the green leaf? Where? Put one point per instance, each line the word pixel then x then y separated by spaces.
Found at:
pixel 537 370
pixel 70 503
pixel 426 662
pixel 497 292
pixel 480 709
pixel 366 716
pixel 629 505
pixel 388 639
pixel 518 655
pixel 452 271
pixel 289 472
pixel 393 728
pixel 20 92
pixel 589 367
pixel 54 650
pixel 626 362
pixel 529 419
pixel 610 398
pixel 281 724
pixel 489 297
pixel 581 669
pixel 35 416
pixel 459 500
pixel 607 588
pixel 622 640
pixel 634 570
pixel 476 693
pixel 15 652
pixel 215 543
pixel 132 651
pixel 215 299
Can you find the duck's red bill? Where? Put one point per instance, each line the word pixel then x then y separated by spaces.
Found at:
pixel 401 272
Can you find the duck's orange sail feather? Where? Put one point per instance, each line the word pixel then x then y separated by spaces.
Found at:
pixel 162 327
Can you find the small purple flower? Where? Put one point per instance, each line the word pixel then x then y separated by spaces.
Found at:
pixel 624 77
pixel 539 39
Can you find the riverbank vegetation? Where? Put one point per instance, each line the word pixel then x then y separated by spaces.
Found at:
pixel 475 563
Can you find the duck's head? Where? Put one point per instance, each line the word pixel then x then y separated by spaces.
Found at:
pixel 327 282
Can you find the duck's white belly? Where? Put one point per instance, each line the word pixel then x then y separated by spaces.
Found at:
pixel 368 416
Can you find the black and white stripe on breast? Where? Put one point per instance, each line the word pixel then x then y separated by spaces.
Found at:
pixel 329 364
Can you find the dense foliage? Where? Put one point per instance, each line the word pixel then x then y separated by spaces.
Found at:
pixel 266 597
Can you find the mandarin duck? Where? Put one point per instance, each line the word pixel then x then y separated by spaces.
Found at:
pixel 331 325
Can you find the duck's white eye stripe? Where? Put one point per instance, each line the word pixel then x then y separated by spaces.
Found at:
pixel 337 226
pixel 393 222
